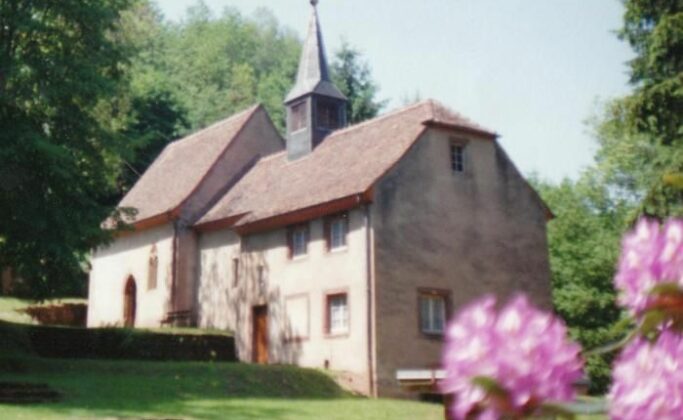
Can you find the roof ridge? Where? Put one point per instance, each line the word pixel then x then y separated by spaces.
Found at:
pixel 217 124
pixel 381 117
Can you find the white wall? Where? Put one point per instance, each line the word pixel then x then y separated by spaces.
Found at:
pixel 113 264
pixel 295 284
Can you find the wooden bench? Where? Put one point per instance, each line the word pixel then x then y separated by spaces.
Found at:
pixel 177 318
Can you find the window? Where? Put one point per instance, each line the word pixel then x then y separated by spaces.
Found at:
pixel 457 157
pixel 260 277
pixel 297 117
pixel 153 269
pixel 336 228
pixel 328 114
pixel 337 314
pixel 432 312
pixel 235 271
pixel 298 240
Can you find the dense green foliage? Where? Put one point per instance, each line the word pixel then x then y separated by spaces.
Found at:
pixel 204 68
pixel 583 247
pixel 640 140
pixel 91 92
pixel 60 62
pixel 641 135
pixel 352 76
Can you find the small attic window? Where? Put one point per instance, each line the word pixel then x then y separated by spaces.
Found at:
pixel 297 116
pixel 457 156
pixel 328 115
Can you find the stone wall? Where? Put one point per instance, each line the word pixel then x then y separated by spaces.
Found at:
pixel 129 256
pixel 468 233
pixel 294 290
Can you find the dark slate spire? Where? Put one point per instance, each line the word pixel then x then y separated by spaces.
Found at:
pixel 313 75
pixel 315 107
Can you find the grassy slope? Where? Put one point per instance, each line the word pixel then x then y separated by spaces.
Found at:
pixel 199 390
pixel 97 389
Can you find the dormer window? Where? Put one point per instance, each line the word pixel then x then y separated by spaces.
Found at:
pixel 297 117
pixel 328 114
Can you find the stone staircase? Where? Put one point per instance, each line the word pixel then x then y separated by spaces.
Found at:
pixel 27 393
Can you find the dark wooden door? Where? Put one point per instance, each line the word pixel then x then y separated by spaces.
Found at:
pixel 129 303
pixel 260 334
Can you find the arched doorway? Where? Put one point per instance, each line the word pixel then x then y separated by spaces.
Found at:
pixel 129 303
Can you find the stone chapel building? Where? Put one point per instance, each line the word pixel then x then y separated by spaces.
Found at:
pixel 338 247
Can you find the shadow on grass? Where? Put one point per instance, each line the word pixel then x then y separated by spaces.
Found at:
pixel 175 389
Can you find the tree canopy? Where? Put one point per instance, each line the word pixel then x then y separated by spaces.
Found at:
pixel 641 134
pixel 60 63
pixel 92 91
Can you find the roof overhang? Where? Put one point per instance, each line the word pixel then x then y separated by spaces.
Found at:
pixel 148 223
pixel 470 130
pixel 289 218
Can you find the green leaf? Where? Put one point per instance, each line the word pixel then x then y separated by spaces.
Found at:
pixel 666 289
pixel 651 322
pixel 490 385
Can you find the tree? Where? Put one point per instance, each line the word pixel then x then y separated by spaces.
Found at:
pixel 641 135
pixel 60 64
pixel 154 115
pixel 217 66
pixel 584 246
pixel 352 76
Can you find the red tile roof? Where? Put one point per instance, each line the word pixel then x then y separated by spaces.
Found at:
pixel 346 163
pixel 181 166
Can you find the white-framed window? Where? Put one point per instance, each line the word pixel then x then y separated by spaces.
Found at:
pixel 235 271
pixel 337 314
pixel 298 240
pixel 432 313
pixel 458 157
pixel 337 228
pixel 261 277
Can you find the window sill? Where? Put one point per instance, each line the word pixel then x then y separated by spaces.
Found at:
pixel 436 336
pixel 299 258
pixel 337 335
pixel 338 250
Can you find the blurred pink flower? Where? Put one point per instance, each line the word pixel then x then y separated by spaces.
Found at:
pixel 524 350
pixel 648 380
pixel 650 256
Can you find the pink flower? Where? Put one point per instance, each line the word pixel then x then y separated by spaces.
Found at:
pixel 650 256
pixel 524 350
pixel 648 380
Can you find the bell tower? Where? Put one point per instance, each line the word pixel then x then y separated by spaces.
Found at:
pixel 315 107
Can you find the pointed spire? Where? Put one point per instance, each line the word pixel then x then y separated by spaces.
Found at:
pixel 313 75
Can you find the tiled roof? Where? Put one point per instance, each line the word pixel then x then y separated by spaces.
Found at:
pixel 347 162
pixel 181 166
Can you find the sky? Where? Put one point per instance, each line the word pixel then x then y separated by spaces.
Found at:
pixel 531 70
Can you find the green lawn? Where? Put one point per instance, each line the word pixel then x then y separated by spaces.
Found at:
pixel 96 389
pixel 11 308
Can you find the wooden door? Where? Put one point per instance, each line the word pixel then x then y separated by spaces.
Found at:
pixel 260 334
pixel 129 303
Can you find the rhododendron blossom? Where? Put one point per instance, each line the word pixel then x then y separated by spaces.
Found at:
pixel 522 350
pixel 648 380
pixel 650 256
